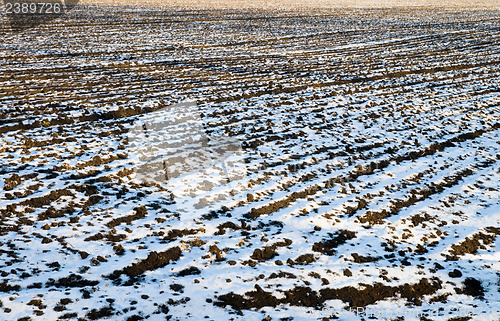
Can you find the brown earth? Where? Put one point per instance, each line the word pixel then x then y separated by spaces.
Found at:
pixel 304 296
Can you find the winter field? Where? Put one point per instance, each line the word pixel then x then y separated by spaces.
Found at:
pixel 339 164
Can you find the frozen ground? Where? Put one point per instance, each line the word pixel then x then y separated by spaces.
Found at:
pixel 250 165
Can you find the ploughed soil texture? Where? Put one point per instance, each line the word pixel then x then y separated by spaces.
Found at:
pixel 355 165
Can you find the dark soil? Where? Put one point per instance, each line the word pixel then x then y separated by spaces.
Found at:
pixel 304 296
pixel 376 217
pixel 176 287
pixel 140 212
pixel 11 182
pixel 72 281
pixel 455 274
pixel 214 250
pixel 473 287
pixel 269 252
pixel 189 271
pixel 54 213
pixel 109 237
pixel 328 246
pixel 473 243
pixel 275 206
pixel 96 314
pixel 47 199
pixel 364 259
pixel 264 254
pixel 282 274
pixel 303 259
pixel 230 225
pixel 4 287
pixel 155 260
pixel 174 234
pixel 417 195
pixel 419 218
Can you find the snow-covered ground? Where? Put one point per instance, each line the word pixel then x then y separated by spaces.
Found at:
pixel 249 165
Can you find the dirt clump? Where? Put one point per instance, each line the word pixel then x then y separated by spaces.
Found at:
pixel 177 287
pixel 304 296
pixel 328 246
pixel 455 273
pixel 176 233
pixel 5 287
pixel 110 237
pixel 473 287
pixel 55 213
pixel 252 299
pixel 303 259
pixel 264 254
pixel 473 243
pixel 230 225
pixel 72 281
pixel 275 206
pixel 11 182
pixel 281 274
pixel 215 251
pixel 47 199
pixel 155 260
pixel 420 218
pixel 140 212
pixel 227 225
pixel 35 302
pixel 364 259
pixel 269 252
pixel 96 314
pixel 193 270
